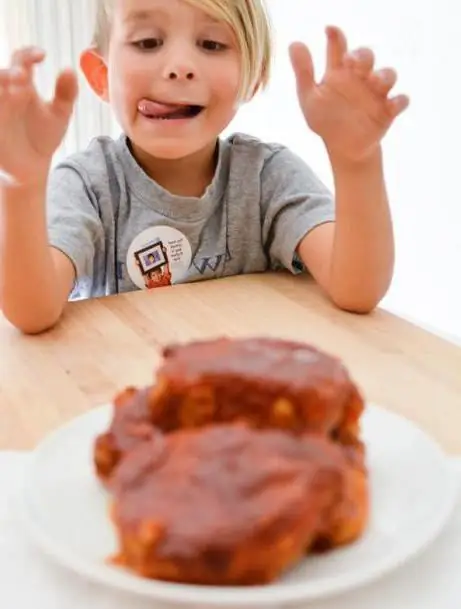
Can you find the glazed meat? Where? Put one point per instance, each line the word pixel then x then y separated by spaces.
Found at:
pixel 131 425
pixel 244 455
pixel 230 505
pixel 268 383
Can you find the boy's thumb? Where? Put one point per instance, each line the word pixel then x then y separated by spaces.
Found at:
pixel 66 92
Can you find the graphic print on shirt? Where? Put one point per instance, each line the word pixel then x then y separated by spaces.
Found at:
pixel 159 256
pixel 211 263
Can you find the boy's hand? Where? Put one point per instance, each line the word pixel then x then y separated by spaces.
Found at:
pixel 350 108
pixel 30 128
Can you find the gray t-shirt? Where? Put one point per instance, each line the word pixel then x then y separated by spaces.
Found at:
pixel 123 231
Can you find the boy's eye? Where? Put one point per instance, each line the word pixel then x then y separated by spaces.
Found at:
pixel 212 45
pixel 148 44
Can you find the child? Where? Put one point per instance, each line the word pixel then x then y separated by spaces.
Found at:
pixel 175 73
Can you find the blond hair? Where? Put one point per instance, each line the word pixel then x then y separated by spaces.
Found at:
pixel 250 22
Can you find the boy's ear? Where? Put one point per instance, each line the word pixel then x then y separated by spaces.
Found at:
pixel 94 68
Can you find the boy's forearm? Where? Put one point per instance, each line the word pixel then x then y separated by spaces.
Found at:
pixel 29 290
pixel 363 253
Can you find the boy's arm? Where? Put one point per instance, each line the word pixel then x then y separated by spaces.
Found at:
pixel 351 110
pixel 36 280
pixel 352 259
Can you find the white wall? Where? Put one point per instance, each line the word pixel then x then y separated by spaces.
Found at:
pixel 3 45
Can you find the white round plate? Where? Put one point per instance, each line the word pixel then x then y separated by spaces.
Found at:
pixel 413 494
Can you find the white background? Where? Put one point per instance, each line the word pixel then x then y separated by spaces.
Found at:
pixel 420 38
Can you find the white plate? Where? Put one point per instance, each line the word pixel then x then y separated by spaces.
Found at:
pixel 413 494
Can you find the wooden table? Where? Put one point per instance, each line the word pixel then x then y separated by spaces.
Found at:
pixel 103 345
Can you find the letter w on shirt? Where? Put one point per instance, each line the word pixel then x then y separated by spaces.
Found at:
pixel 208 263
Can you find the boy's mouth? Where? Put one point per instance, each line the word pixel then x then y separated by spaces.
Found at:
pixel 161 111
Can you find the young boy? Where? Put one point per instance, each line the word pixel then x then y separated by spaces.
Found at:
pixel 171 196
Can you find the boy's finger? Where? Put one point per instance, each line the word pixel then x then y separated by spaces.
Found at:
pixel 26 58
pixel 361 61
pixel 396 105
pixel 336 47
pixel 66 92
pixel 12 75
pixel 4 77
pixel 13 79
pixel 382 81
pixel 303 66
pixel 11 93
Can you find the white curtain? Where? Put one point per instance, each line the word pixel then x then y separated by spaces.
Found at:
pixel 63 29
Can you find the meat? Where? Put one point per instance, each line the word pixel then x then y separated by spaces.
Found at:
pixel 240 458
pixel 230 505
pixel 131 425
pixel 267 383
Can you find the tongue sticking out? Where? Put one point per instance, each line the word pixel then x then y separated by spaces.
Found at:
pixel 152 109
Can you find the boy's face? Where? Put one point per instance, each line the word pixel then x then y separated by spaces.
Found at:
pixel 173 75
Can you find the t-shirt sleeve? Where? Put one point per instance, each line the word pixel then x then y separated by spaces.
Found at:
pixel 73 222
pixel 294 201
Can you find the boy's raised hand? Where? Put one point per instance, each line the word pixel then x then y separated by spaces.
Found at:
pixel 350 109
pixel 31 129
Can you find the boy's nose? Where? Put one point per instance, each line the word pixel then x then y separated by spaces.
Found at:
pixel 179 74
pixel 179 64
pixel 179 69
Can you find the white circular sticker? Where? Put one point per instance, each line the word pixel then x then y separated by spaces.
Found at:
pixel 158 257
